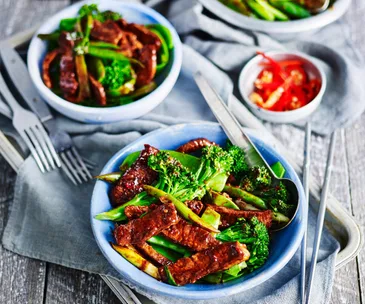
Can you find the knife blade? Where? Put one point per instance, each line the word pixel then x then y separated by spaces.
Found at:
pixel 5 110
pixel 19 75
pixel 228 122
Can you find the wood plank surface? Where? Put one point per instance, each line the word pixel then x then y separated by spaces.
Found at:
pixel 24 280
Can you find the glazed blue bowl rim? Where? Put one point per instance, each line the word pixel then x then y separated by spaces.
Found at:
pixel 127 270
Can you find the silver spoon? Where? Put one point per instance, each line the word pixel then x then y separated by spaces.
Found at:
pixel 238 137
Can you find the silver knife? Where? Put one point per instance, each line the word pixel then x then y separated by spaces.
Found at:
pixel 19 75
pixel 5 110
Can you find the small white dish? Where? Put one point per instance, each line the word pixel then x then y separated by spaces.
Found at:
pixel 253 68
pixel 132 12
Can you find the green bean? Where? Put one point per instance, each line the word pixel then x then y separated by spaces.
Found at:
pixel 104 45
pixel 246 196
pixel 278 14
pixel 165 32
pixel 110 177
pixel 110 54
pixel 260 10
pixel 53 36
pixel 164 242
pixel 163 52
pixel 294 10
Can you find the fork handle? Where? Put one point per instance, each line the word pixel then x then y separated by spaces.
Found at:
pixel 5 92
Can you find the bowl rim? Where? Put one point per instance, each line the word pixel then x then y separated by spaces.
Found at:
pixel 303 111
pixel 169 290
pixel 278 27
pixel 35 71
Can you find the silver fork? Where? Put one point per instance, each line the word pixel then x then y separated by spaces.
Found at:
pixel 72 164
pixel 32 132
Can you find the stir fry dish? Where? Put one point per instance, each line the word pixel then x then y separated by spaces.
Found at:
pixel 197 214
pixel 99 59
pixel 274 10
pixel 284 85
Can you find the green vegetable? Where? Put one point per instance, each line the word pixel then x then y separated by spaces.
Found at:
pixel 117 214
pixel 211 217
pixel 171 255
pixel 53 37
pixel 213 278
pixel 165 32
pixel 110 177
pixel 170 278
pixel 239 167
pixel 116 74
pixel 184 210
pixel 68 24
pixel 140 92
pixel 261 11
pixel 278 169
pixel 163 52
pixel 293 9
pixel 104 53
pixel 218 199
pixel 104 45
pixel 132 256
pixel 278 14
pixel 214 168
pixel 246 196
pixel 82 77
pixel 96 68
pixel 93 10
pixel 164 242
pixel 255 235
pixel 236 269
pixel 256 178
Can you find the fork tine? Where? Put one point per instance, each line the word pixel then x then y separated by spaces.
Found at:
pixel 32 150
pixel 89 163
pixel 68 173
pixel 38 148
pixel 76 165
pixel 79 159
pixel 40 138
pixel 70 168
pixel 50 146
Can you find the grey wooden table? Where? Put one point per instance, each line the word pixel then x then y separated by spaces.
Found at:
pixel 24 280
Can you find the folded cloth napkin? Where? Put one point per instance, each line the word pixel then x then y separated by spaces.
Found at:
pixel 49 217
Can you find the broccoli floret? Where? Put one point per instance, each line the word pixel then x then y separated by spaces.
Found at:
pixel 174 178
pixel 240 166
pixel 255 235
pixel 91 9
pixel 256 178
pixel 116 74
pixel 277 192
pixel 279 205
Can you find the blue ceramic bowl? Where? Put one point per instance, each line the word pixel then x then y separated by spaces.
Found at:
pixel 283 246
pixel 132 12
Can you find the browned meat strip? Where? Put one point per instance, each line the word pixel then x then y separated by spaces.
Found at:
pixel 194 237
pixel 230 216
pixel 140 230
pixel 147 56
pixel 107 31
pixel 143 34
pixel 68 82
pixel 218 258
pixel 195 205
pixel 153 255
pixel 98 90
pixel 66 43
pixel 129 44
pixel 134 212
pixel 48 59
pixel 132 181
pixel 194 145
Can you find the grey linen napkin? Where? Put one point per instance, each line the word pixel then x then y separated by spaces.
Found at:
pixel 49 217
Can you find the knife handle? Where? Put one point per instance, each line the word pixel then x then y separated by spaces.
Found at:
pixel 20 78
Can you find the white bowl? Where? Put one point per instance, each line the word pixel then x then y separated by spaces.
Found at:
pixel 281 30
pixel 132 12
pixel 250 72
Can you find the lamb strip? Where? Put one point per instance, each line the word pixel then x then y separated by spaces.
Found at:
pixel 194 145
pixel 129 43
pixel 148 57
pixel 138 231
pixel 98 90
pixel 143 34
pixel 68 82
pixel 48 59
pixel 108 31
pixel 132 181
pixel 193 237
pixel 230 216
pixel 152 255
pixel 195 205
pixel 219 258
